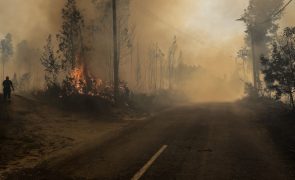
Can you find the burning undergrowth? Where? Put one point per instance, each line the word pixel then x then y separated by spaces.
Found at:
pixel 80 82
pixel 76 88
pixel 67 73
pixel 79 97
pixel 82 91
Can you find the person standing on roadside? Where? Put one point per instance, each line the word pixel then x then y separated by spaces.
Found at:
pixel 7 87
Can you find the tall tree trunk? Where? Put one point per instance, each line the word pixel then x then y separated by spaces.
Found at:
pixel 116 58
pixel 3 71
pixel 292 100
pixel 161 74
pixel 138 68
pixel 156 67
pixel 255 83
pixel 131 66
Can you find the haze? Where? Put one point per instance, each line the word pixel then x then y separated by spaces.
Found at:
pixel 207 33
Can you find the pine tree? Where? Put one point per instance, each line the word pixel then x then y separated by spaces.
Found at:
pixel 70 37
pixel 50 64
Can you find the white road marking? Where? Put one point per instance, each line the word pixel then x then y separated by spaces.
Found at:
pixel 141 172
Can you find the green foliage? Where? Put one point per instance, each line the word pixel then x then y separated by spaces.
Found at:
pixel 70 36
pixel 50 63
pixel 279 69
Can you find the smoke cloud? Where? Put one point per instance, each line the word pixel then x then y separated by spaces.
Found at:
pixel 207 34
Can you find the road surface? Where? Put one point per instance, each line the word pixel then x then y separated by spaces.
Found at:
pixel 208 141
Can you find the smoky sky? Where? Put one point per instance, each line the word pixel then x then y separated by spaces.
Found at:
pixel 206 31
pixel 30 20
pixel 200 25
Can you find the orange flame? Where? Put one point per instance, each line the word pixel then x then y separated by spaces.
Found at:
pixel 79 82
pixel 78 79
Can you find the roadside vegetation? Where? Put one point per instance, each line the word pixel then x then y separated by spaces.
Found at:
pixel 269 54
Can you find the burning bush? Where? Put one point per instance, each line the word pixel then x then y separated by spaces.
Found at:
pixel 78 82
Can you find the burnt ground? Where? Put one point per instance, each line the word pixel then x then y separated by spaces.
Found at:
pixel 33 130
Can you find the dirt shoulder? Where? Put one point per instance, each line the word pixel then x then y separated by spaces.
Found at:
pixel 32 131
pixel 279 121
pixel 224 140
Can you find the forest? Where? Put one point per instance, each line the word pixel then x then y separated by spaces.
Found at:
pixel 129 89
pixel 97 57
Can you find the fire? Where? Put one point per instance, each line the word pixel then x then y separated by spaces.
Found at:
pixel 80 82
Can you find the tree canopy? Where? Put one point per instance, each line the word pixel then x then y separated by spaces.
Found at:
pixel 279 69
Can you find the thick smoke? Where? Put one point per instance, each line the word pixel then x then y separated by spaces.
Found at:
pixel 261 20
pixel 206 32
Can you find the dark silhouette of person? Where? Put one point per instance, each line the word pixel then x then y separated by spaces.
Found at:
pixel 7 87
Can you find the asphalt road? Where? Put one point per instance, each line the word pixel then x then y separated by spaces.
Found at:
pixel 208 141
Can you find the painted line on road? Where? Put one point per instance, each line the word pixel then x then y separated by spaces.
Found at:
pixel 141 172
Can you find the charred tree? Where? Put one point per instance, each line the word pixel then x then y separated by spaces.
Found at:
pixel 171 61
